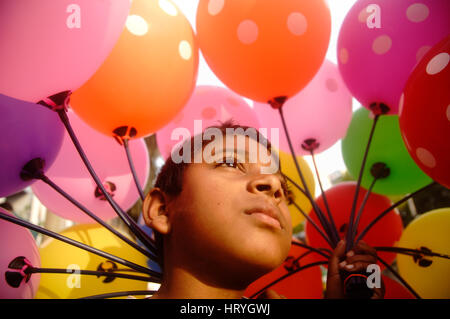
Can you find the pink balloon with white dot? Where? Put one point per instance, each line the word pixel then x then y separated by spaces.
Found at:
pixel 208 106
pixel 381 41
pixel 321 111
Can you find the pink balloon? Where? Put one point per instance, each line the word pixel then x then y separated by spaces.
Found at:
pixel 376 59
pixel 17 241
pixel 50 46
pixel 321 111
pixel 211 105
pixel 108 159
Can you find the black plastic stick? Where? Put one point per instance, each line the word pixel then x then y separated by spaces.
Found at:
pixel 49 182
pixel 75 243
pixel 317 210
pixel 396 274
pixel 122 294
pixel 349 242
pixel 140 234
pixel 330 216
pixel 376 219
pixel 318 263
pixel 86 272
pixel 133 170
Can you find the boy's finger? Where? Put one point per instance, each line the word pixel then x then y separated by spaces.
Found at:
pixel 337 256
pixel 363 248
pixel 356 267
pixel 369 259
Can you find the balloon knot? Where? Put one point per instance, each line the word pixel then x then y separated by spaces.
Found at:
pixel 124 133
pixel 277 102
pixel 310 144
pixel 33 169
pixel 57 102
pixel 110 189
pixel 21 265
pixel 379 108
pixel 380 170
pixel 107 266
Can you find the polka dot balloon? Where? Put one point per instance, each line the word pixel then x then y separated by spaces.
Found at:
pixel 264 49
pixel 149 75
pixel 381 41
pixel 425 113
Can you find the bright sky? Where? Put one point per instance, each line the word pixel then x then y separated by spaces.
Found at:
pixel 330 160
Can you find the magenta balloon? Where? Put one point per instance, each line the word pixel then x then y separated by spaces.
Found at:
pixel 50 46
pixel 16 241
pixel 110 163
pixel 322 111
pixel 28 131
pixel 375 63
pixel 211 105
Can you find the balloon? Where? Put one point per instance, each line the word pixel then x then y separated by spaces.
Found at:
pixel 29 131
pixel 305 284
pixel 321 111
pixel 149 75
pixel 387 147
pixel 428 276
pixel 395 290
pixel 61 43
pixel 108 159
pixel 264 49
pixel 288 168
pixel 16 241
pixel 384 233
pixel 381 41
pixel 211 105
pixel 56 254
pixel 425 115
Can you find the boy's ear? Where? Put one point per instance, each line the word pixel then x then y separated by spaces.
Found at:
pixel 155 211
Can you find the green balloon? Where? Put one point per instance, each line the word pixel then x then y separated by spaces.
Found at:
pixel 387 147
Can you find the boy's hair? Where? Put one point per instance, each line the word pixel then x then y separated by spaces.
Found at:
pixel 170 177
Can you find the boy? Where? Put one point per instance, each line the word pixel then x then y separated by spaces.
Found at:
pixel 222 222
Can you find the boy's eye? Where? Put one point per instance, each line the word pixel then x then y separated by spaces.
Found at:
pixel 229 162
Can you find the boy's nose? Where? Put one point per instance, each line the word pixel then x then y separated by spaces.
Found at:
pixel 268 185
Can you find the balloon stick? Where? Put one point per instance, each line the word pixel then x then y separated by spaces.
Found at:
pixel 349 242
pixel 59 103
pixel 403 281
pixel 379 171
pixel 288 275
pixel 75 243
pixel 49 182
pixel 412 252
pixel 317 210
pixel 312 223
pixel 376 219
pixel 330 216
pixel 121 294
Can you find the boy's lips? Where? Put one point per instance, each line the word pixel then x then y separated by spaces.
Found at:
pixel 266 214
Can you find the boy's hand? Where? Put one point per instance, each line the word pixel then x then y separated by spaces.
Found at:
pixel 356 260
pixel 270 294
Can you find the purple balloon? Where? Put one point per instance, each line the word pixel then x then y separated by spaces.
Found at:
pixel 28 131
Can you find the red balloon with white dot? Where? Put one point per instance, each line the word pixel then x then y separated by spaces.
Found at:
pixel 425 113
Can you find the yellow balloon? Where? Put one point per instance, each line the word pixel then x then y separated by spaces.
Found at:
pixel 429 276
pixel 288 168
pixel 57 254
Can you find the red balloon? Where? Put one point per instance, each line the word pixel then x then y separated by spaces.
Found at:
pixel 424 113
pixel 384 233
pixel 395 290
pixel 305 284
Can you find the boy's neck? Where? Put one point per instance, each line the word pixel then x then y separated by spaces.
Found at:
pixel 180 284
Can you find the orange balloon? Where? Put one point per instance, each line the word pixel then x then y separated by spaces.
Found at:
pixel 149 75
pixel 264 49
pixel 305 284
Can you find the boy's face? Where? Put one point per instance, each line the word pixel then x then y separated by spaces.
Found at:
pixel 230 215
